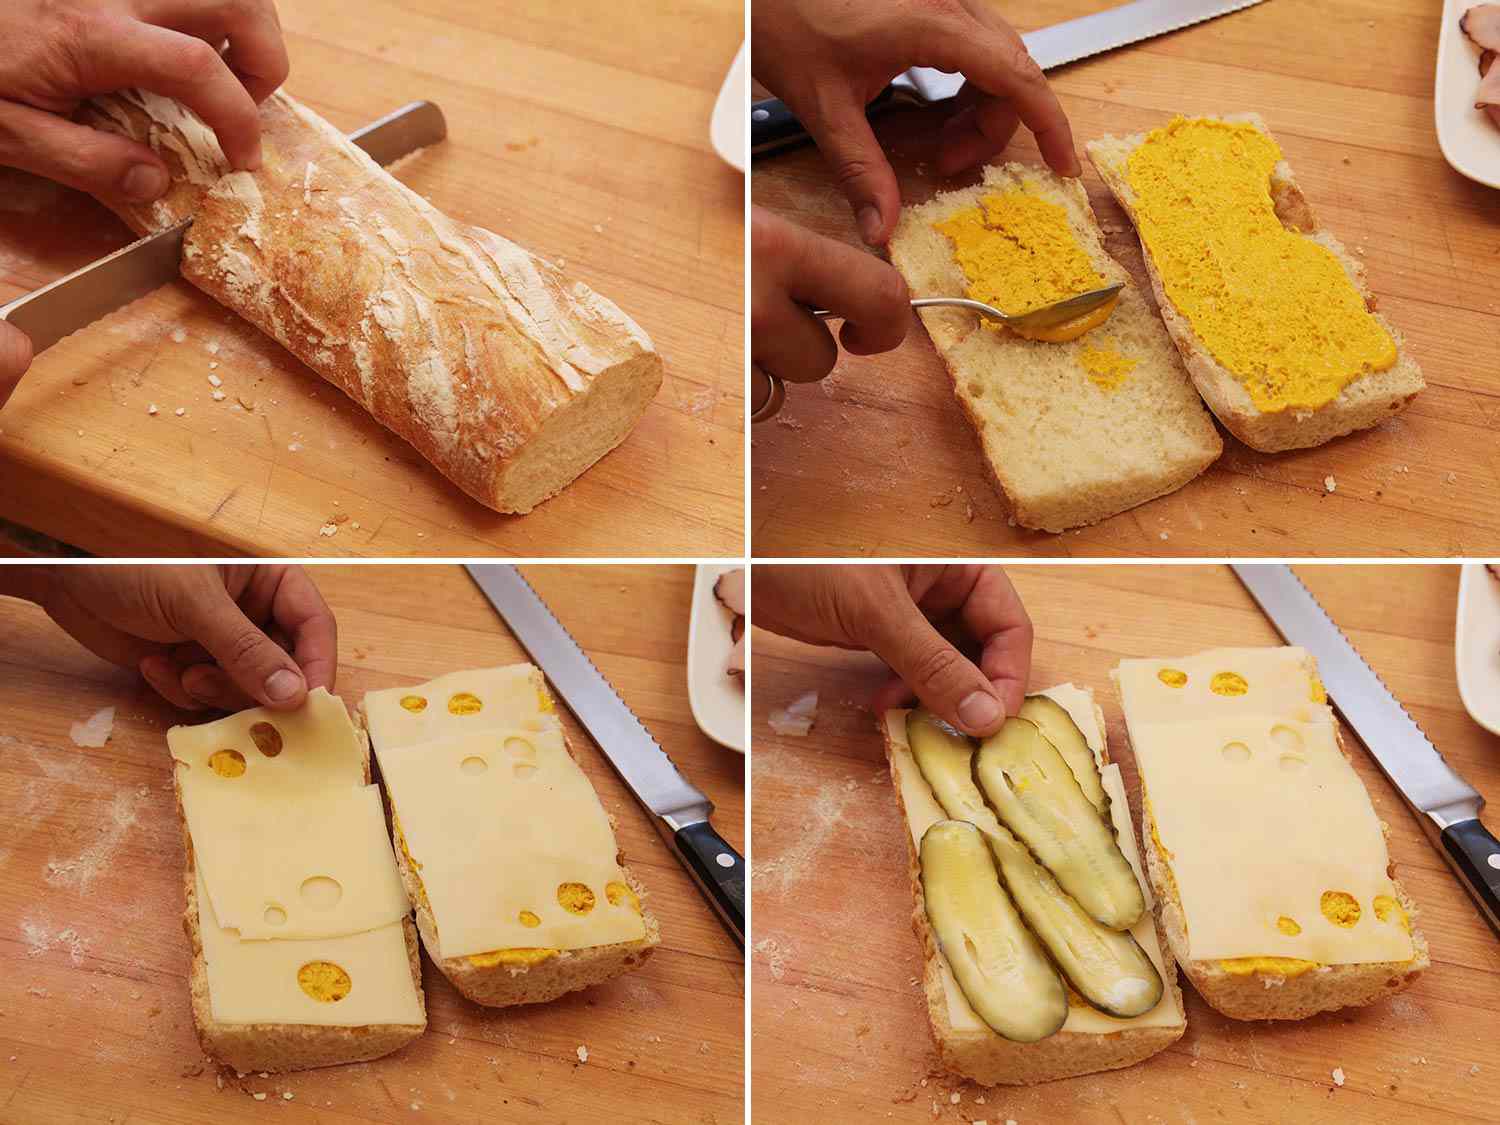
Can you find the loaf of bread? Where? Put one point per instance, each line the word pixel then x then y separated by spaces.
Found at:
pixel 1366 401
pixel 1075 431
pixel 511 380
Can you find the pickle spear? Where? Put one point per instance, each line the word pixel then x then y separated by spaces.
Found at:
pixel 995 959
pixel 1109 969
pixel 1036 796
pixel 1058 728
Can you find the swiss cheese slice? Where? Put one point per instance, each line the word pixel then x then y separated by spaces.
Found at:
pixel 288 838
pixel 458 703
pixel 262 981
pixel 1270 836
pixel 507 834
pixel 923 810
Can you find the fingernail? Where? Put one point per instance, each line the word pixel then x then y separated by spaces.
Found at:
pixel 144 182
pixel 978 710
pixel 282 684
pixel 868 218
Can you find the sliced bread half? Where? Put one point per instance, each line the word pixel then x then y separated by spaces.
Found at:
pixel 1065 445
pixel 1089 1041
pixel 1366 401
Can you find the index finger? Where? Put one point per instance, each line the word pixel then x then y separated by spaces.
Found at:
pixel 995 60
pixel 302 613
pixel 182 67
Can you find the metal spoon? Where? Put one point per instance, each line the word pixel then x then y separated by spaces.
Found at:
pixel 1037 320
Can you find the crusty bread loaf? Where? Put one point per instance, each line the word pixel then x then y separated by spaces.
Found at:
pixel 1063 450
pixel 988 1058
pixel 509 379
pixel 280 1047
pixel 1272 995
pixel 1367 401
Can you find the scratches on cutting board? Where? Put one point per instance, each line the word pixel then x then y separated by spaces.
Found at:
pixel 233 492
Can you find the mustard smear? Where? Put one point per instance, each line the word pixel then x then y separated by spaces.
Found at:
pixel 1273 307
pixel 1105 365
pixel 1274 966
pixel 1018 252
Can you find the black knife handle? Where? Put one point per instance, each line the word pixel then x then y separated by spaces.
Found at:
pixel 774 127
pixel 718 869
pixel 1475 855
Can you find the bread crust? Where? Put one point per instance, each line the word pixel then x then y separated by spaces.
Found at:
pixel 280 1047
pixel 990 1059
pixel 509 379
pixel 1365 402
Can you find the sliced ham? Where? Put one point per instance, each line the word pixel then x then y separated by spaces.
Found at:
pixel 730 590
pixel 1481 24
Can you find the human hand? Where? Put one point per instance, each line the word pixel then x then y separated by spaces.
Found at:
pixel 827 59
pixel 56 53
pixel 15 358
pixel 893 611
pixel 795 270
pixel 202 636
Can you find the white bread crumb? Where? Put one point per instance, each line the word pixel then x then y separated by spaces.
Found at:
pixel 1330 484
pixel 583 1053
pixel 1338 1076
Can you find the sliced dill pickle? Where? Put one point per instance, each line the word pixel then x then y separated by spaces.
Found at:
pixel 1107 968
pixel 1036 796
pixel 996 960
pixel 1058 728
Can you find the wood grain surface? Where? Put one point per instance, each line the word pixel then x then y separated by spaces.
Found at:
pixel 878 459
pixel 94 1017
pixel 839 1029
pixel 579 131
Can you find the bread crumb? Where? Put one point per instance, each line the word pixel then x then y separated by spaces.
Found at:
pixel 214 380
pixel 287 1096
pixel 1338 1076
pixel 598 229
pixel 217 396
pixel 265 1074
pixel 294 447
pixel 797 718
pixel 151 409
pixel 1166 535
pixel 178 335
pixel 214 365
pixel 328 530
pixel 1450 478
pixel 954 1098
pixel 1473 1070
pixel 1330 484
pixel 260 1097
pixel 180 411
pixel 583 1053
pixel 80 433
pixel 94 731
pixel 212 347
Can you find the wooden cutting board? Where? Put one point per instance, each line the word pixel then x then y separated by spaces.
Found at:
pixel 94 1018
pixel 879 460
pixel 582 134
pixel 839 1031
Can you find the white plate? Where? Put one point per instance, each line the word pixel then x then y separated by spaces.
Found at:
pixel 1469 139
pixel 732 114
pixel 1477 645
pixel 717 700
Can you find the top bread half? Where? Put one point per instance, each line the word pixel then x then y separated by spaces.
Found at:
pixel 1075 431
pixel 1367 400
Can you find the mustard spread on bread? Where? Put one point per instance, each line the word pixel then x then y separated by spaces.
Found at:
pixel 1106 365
pixel 1019 253
pixel 1274 307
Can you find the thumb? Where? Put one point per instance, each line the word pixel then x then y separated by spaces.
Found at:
pixel 15 358
pixel 939 675
pixel 99 163
pixel 256 664
pixel 848 144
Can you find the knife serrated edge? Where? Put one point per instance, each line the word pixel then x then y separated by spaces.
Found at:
pixel 1044 45
pixel 699 808
pixel 395 122
pixel 1464 806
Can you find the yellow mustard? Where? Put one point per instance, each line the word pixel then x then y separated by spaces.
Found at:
pixel 1273 966
pixel 1106 366
pixel 1273 307
pixel 1019 253
pixel 511 957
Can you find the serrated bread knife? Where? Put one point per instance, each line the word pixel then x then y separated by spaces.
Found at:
pixel 681 811
pixel 99 288
pixel 1446 805
pixel 773 127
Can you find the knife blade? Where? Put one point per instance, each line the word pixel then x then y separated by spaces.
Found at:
pixel 680 810
pixel 774 127
pixel 99 288
pixel 1446 805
